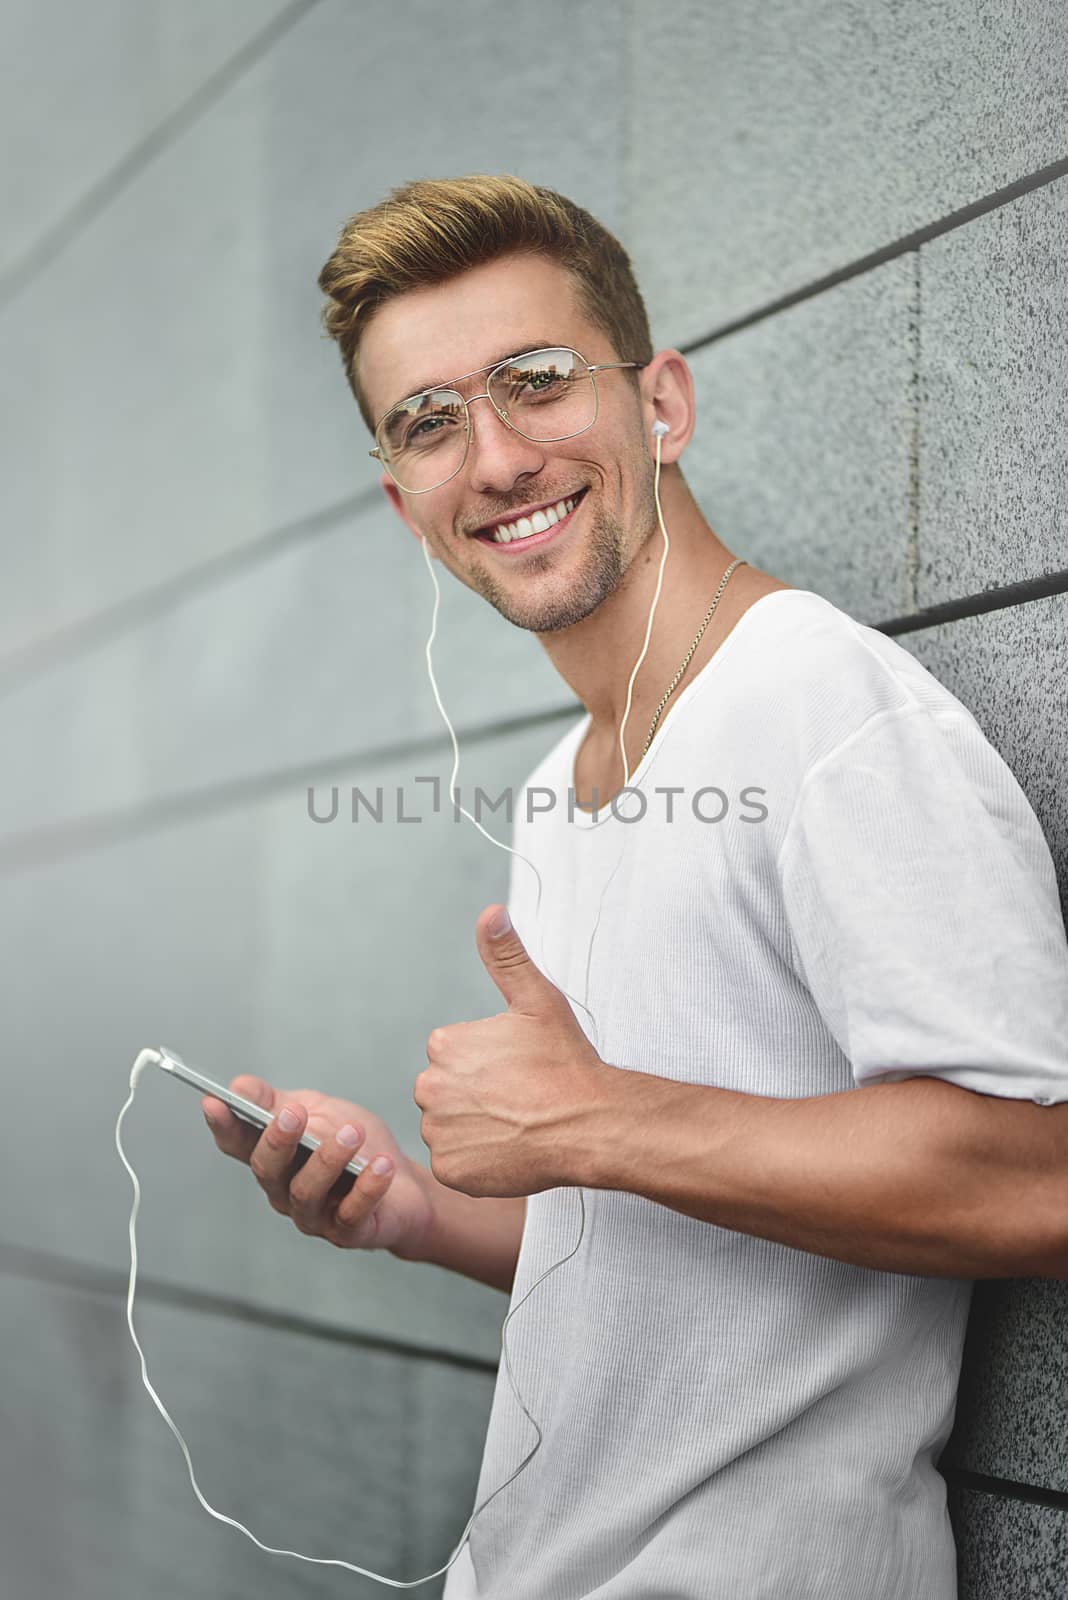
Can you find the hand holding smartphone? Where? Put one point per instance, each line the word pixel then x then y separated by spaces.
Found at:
pixel 248 1111
pixel 378 1201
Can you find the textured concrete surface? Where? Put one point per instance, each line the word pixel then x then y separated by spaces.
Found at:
pixel 774 144
pixel 993 458
pixel 116 80
pixel 801 459
pixel 1007 1549
pixel 1012 1410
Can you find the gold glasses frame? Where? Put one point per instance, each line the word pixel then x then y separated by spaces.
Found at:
pixel 492 370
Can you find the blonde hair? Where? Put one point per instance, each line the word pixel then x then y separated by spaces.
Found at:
pixel 428 231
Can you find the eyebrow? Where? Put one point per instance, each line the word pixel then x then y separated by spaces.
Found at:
pixel 524 350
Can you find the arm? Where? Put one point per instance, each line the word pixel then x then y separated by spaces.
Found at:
pixel 476 1236
pixel 917 1176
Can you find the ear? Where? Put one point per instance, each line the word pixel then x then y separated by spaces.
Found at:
pixel 400 506
pixel 668 393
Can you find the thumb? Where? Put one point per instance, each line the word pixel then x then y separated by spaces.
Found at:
pixel 504 956
pixel 255 1089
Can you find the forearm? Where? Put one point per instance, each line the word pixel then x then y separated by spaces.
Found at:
pixel 913 1177
pixel 478 1237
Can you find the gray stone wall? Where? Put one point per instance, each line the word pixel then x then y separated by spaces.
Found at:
pixel 853 218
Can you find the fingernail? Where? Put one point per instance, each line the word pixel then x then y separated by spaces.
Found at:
pixel 210 1120
pixel 500 924
pixel 381 1165
pixel 348 1136
pixel 288 1120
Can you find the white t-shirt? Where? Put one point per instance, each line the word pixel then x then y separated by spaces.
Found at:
pixel 727 1418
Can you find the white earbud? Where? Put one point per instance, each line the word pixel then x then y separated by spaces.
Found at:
pixel 659 429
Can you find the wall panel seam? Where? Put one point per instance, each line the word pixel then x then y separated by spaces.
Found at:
pixel 1005 1488
pixel 33 1266
pixel 32 848
pixel 914 402
pixel 888 252
pixel 83 212
pixel 100 627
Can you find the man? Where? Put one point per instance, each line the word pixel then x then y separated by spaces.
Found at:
pixel 745 1372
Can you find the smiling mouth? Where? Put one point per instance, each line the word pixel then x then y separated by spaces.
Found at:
pixel 535 529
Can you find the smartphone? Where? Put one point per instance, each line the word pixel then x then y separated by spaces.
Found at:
pixel 250 1112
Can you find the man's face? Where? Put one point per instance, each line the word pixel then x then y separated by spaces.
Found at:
pixel 429 337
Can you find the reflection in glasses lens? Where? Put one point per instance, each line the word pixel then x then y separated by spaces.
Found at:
pixel 544 396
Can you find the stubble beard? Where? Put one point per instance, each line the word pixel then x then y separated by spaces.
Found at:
pixel 604 565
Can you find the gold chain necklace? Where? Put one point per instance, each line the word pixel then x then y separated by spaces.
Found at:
pixel 738 561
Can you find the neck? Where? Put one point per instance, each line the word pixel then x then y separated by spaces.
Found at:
pixel 596 656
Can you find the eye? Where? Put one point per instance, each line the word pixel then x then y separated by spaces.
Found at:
pixel 540 384
pixel 426 430
pixel 424 426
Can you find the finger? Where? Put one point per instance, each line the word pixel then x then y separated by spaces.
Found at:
pixel 523 985
pixel 233 1137
pixel 309 1189
pixel 255 1089
pixel 272 1158
pixel 355 1218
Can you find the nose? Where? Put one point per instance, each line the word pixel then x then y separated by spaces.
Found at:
pixel 497 455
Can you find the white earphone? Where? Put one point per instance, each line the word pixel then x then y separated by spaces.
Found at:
pixel 659 429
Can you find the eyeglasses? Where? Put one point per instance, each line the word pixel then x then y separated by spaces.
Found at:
pixel 543 395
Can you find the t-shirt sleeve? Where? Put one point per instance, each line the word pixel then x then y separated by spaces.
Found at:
pixel 922 906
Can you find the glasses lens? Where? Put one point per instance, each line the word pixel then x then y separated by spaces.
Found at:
pixel 423 439
pixel 546 395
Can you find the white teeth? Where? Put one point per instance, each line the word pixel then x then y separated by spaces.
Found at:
pixel 538 522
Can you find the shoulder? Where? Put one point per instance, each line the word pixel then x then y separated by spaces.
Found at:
pixel 818 676
pixel 869 735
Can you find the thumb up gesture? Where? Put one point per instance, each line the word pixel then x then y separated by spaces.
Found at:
pixel 512 1104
